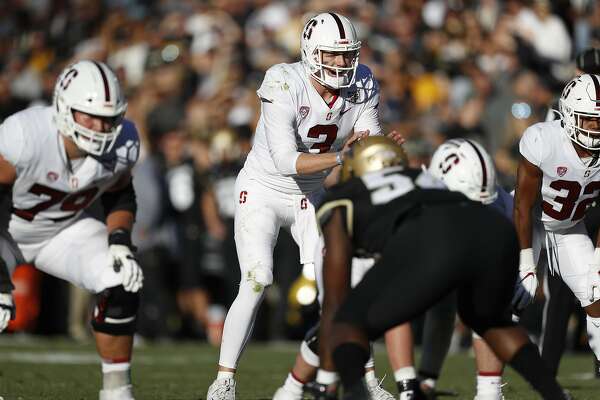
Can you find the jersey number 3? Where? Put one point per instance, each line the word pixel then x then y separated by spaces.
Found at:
pixel 570 200
pixel 330 132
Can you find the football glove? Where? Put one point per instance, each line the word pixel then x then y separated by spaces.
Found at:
pixel 593 277
pixel 7 310
pixel 124 263
pixel 527 283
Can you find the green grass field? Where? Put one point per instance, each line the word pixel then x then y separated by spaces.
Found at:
pixel 34 368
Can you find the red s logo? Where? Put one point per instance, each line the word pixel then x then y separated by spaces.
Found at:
pixel 243 196
pixel 303 204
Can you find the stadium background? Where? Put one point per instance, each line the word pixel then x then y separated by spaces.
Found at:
pixel 481 69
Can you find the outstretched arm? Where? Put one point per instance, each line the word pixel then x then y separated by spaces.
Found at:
pixel 336 281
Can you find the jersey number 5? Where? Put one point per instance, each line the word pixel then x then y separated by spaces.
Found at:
pixel 70 202
pixel 387 185
pixel 330 132
pixel 570 200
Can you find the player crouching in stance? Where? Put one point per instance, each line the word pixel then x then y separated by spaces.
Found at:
pixel 557 180
pixel 58 160
pixel 429 242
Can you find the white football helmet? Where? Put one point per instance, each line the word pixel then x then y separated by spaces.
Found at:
pixel 464 166
pixel 330 32
pixel 93 88
pixel 580 99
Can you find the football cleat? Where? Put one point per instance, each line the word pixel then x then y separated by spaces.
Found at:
pixel 409 389
pixel 319 391
pixel 121 393
pixel 377 392
pixel 283 394
pixel 221 389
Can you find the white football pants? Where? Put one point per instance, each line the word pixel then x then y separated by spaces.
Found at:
pixel 260 212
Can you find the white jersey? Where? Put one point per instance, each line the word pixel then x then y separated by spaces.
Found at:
pixel 50 192
pixel 295 119
pixel 568 186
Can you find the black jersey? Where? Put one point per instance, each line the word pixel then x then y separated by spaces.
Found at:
pixel 375 204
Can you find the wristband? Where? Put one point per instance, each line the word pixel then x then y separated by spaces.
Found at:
pixel 120 236
pixel 326 377
pixel 339 158
pixel 526 258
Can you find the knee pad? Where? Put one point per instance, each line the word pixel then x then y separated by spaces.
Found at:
pixel 309 349
pixel 259 277
pixel 115 311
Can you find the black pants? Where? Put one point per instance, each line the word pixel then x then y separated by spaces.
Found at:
pixel 470 248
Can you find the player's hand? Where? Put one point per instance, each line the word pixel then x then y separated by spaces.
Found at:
pixel 356 136
pixel 125 263
pixel 593 277
pixel 7 310
pixel 527 283
pixel 396 137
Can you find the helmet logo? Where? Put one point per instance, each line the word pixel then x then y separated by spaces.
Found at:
pixel 561 171
pixel 66 81
pixel 309 29
pixel 450 161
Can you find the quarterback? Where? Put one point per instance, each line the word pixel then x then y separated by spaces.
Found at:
pixel 311 111
pixel 381 209
pixel 58 160
pixel 558 179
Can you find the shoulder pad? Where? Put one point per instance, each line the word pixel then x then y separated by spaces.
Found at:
pixel 277 83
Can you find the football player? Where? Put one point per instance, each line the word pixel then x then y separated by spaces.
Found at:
pixel 560 301
pixel 58 160
pixel 382 210
pixel 557 180
pixel 465 166
pixel 311 111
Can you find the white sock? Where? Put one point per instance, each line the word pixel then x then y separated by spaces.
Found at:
pixel 326 377
pixel 489 384
pixel 429 382
pixel 115 374
pixel 293 385
pixel 239 323
pixel 225 375
pixel 370 375
pixel 405 373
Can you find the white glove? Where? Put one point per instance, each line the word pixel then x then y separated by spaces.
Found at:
pixel 125 263
pixel 527 283
pixel 7 310
pixel 593 277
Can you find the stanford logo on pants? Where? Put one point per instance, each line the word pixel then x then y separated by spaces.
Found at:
pixel 243 196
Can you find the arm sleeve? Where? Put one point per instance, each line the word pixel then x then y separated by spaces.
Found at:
pixel 279 118
pixel 12 142
pixel 369 117
pixel 120 200
pixel 531 145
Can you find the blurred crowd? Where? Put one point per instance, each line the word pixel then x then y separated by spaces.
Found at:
pixel 447 68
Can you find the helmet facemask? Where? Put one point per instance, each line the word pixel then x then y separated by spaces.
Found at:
pixel 331 76
pixel 573 123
